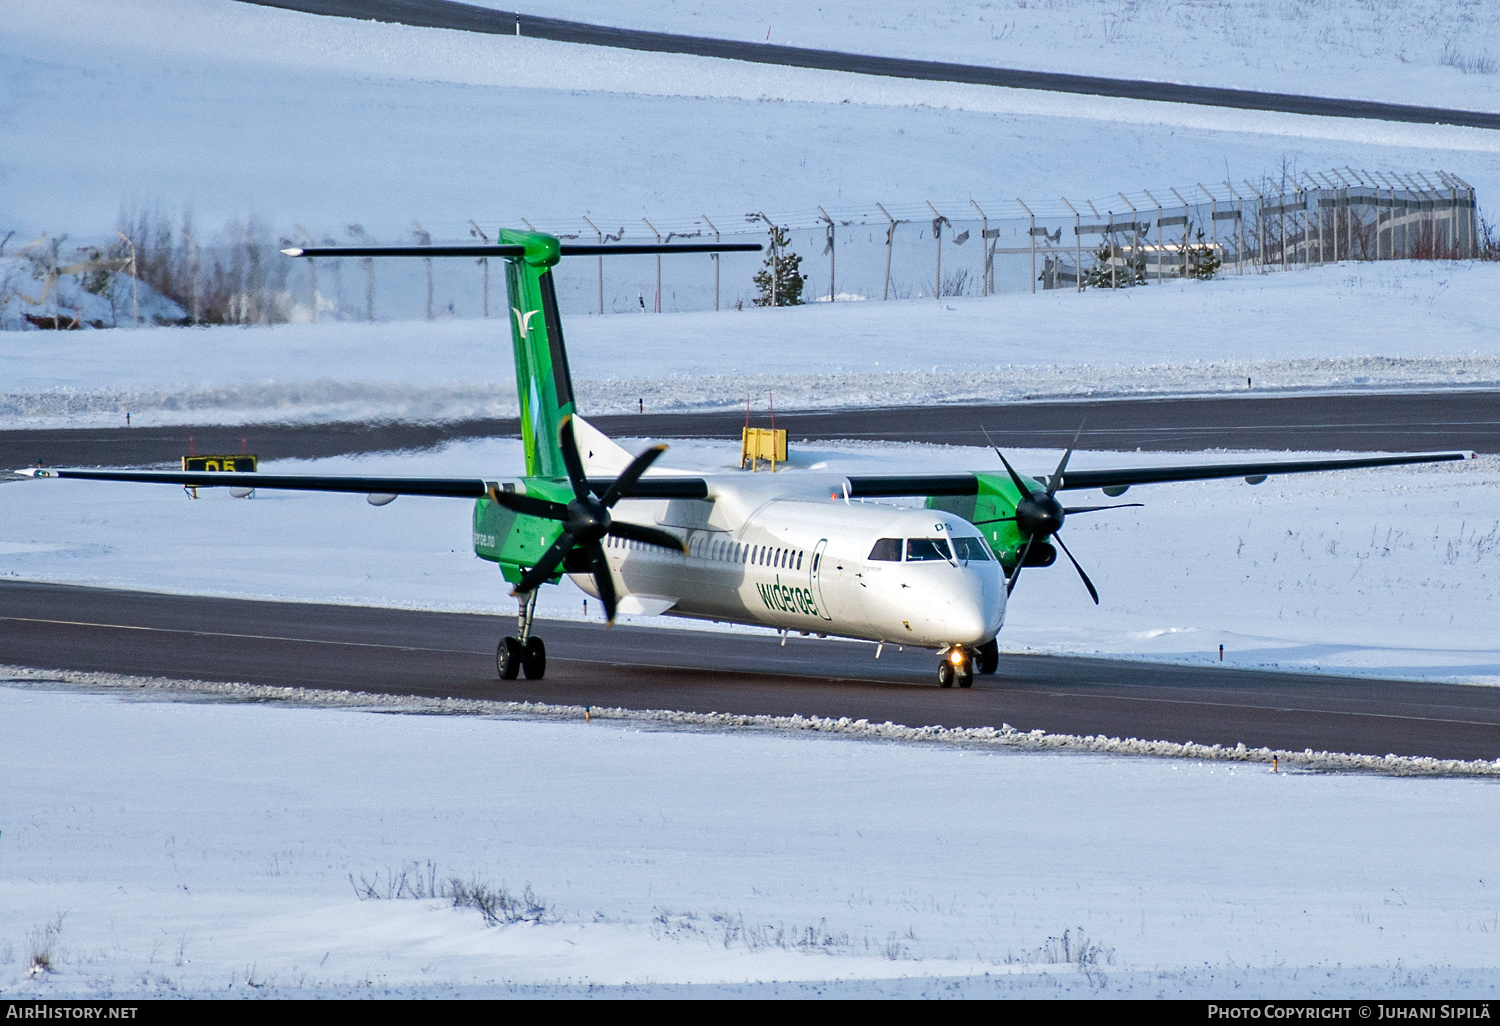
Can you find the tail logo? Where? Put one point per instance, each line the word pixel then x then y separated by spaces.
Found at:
pixel 523 320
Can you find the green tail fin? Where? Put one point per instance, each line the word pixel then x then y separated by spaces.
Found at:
pixel 543 384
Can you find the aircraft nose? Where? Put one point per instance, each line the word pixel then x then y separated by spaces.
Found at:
pixel 975 606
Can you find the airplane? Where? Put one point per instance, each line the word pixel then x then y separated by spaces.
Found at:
pixel 793 552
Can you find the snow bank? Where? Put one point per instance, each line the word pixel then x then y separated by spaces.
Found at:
pixel 1393 325
pixel 1003 737
pixel 204 848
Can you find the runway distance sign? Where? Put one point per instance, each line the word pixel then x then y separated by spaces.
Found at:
pixel 242 463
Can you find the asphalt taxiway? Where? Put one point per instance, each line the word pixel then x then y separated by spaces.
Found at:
pixel 452 654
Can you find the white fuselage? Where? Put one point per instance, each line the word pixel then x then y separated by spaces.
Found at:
pixel 794 555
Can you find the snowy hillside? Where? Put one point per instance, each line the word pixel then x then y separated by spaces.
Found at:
pixel 1433 52
pixel 234 110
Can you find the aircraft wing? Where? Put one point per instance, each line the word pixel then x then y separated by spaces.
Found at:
pixel 967 484
pixel 451 487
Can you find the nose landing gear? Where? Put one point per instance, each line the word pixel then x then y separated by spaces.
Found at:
pixel 526 654
pixel 956 667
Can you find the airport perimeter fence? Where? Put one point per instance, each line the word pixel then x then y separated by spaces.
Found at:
pixel 897 251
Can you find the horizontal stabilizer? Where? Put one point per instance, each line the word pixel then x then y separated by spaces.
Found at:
pixel 477 252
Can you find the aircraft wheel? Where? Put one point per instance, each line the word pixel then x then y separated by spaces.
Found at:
pixel 988 656
pixel 534 659
pixel 508 659
pixel 946 673
pixel 966 674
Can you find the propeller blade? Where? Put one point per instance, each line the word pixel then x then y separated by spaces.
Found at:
pixel 576 476
pixel 529 506
pixel 546 565
pixel 1056 478
pixel 603 580
pixel 1016 478
pixel 1070 510
pixel 626 481
pixel 1015 575
pixel 1086 582
pixel 648 536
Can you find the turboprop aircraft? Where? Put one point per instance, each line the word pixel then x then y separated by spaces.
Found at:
pixel 792 552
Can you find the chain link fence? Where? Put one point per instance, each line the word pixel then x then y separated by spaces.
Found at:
pixel 911 251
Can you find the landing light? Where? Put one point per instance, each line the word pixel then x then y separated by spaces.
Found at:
pixel 956 657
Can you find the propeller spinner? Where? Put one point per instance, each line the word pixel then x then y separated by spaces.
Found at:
pixel 586 521
pixel 1040 516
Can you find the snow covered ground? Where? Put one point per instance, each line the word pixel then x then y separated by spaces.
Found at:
pixel 1383 572
pixel 180 847
pixel 1370 326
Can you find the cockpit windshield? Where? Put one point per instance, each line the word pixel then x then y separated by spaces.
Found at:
pixel 923 549
pixel 971 550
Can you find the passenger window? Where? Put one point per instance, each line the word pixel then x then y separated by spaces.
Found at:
pixel 887 550
pixel 972 549
pixel 920 550
pixel 799 561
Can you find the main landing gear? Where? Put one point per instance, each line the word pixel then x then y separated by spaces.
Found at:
pixel 959 664
pixel 525 654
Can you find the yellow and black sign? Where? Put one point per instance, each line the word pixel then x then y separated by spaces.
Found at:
pixel 243 463
pixel 758 444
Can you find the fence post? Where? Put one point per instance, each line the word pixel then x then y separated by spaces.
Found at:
pixel 483 262
pixel 1239 230
pixel 1135 231
pixel 658 270
pixel 1472 203
pixel 1390 213
pixel 1333 190
pixel 1077 246
pixel 984 246
pixel 1160 250
pixel 1260 225
pixel 1436 194
pixel 890 239
pixel 358 232
pixel 938 220
pixel 424 239
pixel 1349 205
pixel 598 235
pixel 829 249
pixel 1186 224
pixel 713 228
pixel 1031 237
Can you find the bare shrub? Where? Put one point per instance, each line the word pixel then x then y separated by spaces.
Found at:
pixel 1073 948
pixel 1489 241
pixel 1468 64
pixel 497 905
pixel 956 283
pixel 43 947
pixel 235 281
